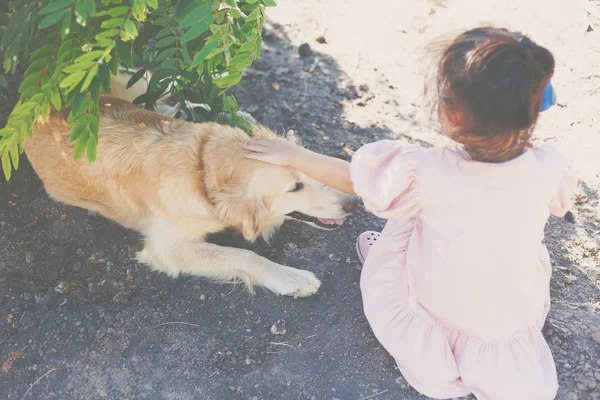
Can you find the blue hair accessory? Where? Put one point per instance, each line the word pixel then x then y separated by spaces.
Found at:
pixel 548 98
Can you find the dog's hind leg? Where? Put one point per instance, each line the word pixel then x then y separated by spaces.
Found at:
pixel 173 254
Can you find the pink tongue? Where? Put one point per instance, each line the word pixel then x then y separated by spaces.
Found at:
pixel 329 221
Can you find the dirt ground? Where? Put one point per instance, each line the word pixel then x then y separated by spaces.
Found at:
pixel 81 320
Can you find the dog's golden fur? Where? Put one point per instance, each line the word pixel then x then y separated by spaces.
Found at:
pixel 176 182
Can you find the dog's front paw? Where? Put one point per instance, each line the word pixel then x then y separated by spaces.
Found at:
pixel 298 283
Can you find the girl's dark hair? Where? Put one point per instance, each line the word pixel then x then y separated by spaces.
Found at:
pixel 490 84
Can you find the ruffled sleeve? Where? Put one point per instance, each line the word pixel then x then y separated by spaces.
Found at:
pixel 563 198
pixel 386 174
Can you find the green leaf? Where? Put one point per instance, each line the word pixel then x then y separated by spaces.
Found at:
pixel 94 124
pixel 196 15
pixel 169 63
pixel 186 54
pixel 53 38
pixel 80 126
pixel 65 46
pixel 136 77
pixel 29 82
pixel 55 98
pixel 197 29
pixel 65 28
pixel 3 81
pixel 109 34
pixel 247 47
pixel 235 13
pixel 113 65
pixel 152 3
pixel 138 10
pixel 229 80
pixel 6 164
pixel 162 21
pixel 83 67
pixel 95 90
pixel 26 95
pixel 104 74
pixel 117 11
pixel 80 104
pixel 254 15
pixel 269 3
pixel 72 80
pixel 45 109
pixel 251 1
pixel 131 29
pixel 165 42
pixel 124 54
pixel 14 156
pixel 88 79
pixel 81 144
pixel 90 56
pixel 57 5
pixel 43 52
pixel 92 149
pixel 81 12
pixel 112 23
pixel 52 19
pixel 51 69
pixel 164 32
pixel 79 67
pixel 90 6
pixel 168 53
pixel 159 11
pixel 36 66
pixel 230 103
pixel 242 61
pixel 206 50
pixel 184 7
pixel 157 78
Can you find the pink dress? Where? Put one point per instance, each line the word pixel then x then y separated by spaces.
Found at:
pixel 457 287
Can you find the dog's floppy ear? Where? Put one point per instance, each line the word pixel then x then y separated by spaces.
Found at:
pixel 241 211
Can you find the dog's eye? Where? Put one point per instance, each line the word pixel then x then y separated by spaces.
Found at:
pixel 299 186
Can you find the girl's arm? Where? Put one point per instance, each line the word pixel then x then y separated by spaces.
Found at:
pixel 330 171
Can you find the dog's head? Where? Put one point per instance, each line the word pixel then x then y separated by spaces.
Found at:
pixel 256 197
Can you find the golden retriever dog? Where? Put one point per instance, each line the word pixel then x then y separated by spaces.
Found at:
pixel 176 182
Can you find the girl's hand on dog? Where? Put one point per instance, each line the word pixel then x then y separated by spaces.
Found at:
pixel 274 151
pixel 330 171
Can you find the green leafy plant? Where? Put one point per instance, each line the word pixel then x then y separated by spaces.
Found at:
pixel 195 49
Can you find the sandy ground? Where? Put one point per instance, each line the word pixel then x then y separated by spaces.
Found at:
pixel 81 320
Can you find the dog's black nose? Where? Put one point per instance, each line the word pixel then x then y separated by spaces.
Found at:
pixel 350 203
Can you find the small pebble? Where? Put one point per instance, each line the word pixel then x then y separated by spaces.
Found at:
pixel 202 296
pixel 321 39
pixel 29 258
pixel 279 328
pixel 63 287
pixel 569 217
pixel 304 50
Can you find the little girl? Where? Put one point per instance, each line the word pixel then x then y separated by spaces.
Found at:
pixel 456 288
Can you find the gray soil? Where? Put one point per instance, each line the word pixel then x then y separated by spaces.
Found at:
pixel 80 319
